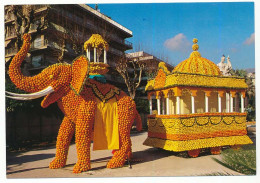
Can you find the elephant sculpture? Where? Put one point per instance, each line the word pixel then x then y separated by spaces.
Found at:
pixel 79 98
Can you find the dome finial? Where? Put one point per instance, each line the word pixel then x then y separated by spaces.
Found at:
pixel 195 46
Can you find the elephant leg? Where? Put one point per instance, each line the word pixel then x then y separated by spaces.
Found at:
pixel 84 126
pixel 65 134
pixel 126 117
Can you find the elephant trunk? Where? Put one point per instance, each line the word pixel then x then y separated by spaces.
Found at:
pixel 28 84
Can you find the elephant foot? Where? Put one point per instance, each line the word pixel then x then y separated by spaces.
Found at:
pixel 57 163
pixel 119 158
pixel 81 167
pixel 129 154
pixel 116 162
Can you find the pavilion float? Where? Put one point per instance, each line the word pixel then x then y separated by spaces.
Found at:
pixel 94 47
pixel 195 107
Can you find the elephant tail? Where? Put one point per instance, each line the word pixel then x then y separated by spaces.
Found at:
pixel 138 121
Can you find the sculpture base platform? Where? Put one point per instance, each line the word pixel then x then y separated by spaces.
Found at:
pixel 179 146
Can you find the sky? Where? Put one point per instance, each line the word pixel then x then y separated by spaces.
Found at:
pixel 166 30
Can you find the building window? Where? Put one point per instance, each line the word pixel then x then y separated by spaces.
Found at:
pixel 9 15
pixel 11 50
pixel 37 42
pixel 10 31
pixel 37 60
pixel 35 24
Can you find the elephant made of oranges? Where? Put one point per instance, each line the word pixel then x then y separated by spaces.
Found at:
pixel 88 105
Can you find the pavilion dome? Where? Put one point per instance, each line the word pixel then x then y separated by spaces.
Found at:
pixel 196 64
pixel 96 41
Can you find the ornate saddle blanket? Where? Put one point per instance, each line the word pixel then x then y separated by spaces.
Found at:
pixel 103 91
pixel 106 134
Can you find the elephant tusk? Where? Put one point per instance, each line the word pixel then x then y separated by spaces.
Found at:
pixel 21 98
pixel 30 96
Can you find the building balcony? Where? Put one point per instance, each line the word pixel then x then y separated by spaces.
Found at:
pixel 87 24
pixel 125 43
pixel 129 44
pixel 10 52
pixel 41 44
pixel 9 19
pixel 39 7
pixel 115 51
pixel 10 36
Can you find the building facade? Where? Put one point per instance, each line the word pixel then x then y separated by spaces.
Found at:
pixel 66 27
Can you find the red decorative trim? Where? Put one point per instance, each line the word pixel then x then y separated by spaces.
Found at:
pixel 194 136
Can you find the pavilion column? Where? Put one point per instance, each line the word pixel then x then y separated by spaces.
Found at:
pixel 219 103
pixel 163 106
pixel 105 56
pixel 168 104
pixel 237 103
pixel 206 103
pixel 231 102
pixel 242 103
pixel 151 105
pixel 227 102
pixel 95 55
pixel 158 105
pixel 192 105
pixel 193 95
pixel 87 53
pixel 207 94
pixel 178 105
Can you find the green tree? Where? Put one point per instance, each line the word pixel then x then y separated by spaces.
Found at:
pixel 16 105
pixel 250 92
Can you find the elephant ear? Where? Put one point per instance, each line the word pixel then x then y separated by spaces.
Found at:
pixel 80 73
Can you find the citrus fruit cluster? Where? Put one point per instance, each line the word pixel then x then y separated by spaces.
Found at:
pixel 126 113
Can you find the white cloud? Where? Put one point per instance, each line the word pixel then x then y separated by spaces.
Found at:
pixel 250 40
pixel 178 43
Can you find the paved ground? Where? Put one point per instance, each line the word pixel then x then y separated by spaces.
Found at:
pixel 152 162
